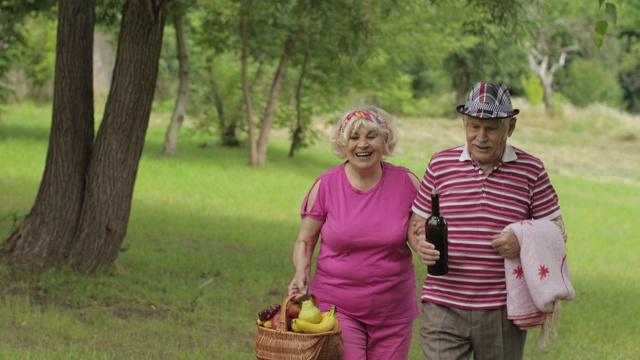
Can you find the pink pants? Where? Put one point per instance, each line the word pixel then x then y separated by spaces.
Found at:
pixel 375 342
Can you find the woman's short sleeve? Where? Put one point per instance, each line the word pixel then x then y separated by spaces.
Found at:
pixel 317 211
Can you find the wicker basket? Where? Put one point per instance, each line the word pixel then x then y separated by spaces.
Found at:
pixel 281 344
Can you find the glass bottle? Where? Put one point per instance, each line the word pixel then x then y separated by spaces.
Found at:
pixel 437 234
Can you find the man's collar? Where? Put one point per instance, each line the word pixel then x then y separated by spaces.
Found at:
pixel 508 155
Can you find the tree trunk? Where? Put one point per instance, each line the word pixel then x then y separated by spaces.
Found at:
pixel 171 138
pixel 43 239
pixel 226 123
pixel 547 88
pixel 267 120
pixel 81 213
pixel 297 135
pixel 253 150
pixel 462 85
pixel 119 143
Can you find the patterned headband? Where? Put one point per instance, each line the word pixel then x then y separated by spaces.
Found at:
pixel 365 114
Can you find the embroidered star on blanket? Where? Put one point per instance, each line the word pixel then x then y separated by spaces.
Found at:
pixel 539 279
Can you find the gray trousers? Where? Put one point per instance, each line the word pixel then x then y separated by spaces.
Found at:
pixel 455 334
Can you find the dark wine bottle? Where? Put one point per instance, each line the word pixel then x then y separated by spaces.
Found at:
pixel 437 234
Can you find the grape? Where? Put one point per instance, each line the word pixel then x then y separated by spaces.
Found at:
pixel 268 312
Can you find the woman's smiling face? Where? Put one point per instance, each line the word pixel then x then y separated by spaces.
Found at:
pixel 365 148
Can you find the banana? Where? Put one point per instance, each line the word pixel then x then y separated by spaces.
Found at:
pixel 336 326
pixel 267 324
pixel 295 327
pixel 311 328
pixel 328 323
pixel 328 313
pixel 332 312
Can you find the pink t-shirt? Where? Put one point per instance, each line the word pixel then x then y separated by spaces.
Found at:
pixel 365 266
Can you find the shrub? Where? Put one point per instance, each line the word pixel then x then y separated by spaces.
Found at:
pixel 532 88
pixel 592 82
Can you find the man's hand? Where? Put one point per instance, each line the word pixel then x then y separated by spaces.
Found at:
pixel 426 251
pixel 506 244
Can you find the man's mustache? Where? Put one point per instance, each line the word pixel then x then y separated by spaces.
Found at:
pixel 485 144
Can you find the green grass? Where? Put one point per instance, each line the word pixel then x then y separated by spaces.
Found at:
pixel 209 244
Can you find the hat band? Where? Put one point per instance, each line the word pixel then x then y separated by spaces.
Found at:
pixel 489 107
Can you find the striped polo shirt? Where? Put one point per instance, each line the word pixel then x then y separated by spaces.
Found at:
pixel 475 207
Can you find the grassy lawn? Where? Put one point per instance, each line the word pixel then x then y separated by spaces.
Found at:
pixel 210 239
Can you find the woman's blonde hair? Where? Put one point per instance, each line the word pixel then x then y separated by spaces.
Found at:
pixel 372 118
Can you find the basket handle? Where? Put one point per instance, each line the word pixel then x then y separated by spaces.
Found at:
pixel 282 320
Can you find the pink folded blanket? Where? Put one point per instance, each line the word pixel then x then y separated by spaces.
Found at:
pixel 538 279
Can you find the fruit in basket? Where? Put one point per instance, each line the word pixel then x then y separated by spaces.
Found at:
pixel 268 312
pixel 328 323
pixel 274 321
pixel 310 313
pixel 293 310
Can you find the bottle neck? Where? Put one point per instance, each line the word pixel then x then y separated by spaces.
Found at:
pixel 435 205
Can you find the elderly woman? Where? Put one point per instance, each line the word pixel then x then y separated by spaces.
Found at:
pixel 361 209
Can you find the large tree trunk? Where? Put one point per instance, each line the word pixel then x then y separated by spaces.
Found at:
pixel 44 237
pixel 81 213
pixel 267 120
pixel 120 140
pixel 171 138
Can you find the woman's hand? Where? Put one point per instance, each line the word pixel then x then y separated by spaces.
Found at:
pixel 299 285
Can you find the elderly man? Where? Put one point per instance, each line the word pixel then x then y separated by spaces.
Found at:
pixel 484 186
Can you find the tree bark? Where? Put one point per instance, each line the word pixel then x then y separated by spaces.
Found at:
pixel 180 108
pixel 114 162
pixel 297 134
pixel 541 63
pixel 460 76
pixel 253 150
pixel 43 239
pixel 81 212
pixel 267 120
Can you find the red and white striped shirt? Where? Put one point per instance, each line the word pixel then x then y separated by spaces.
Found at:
pixel 475 207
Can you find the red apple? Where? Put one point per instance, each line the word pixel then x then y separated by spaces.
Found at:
pixel 274 321
pixel 293 310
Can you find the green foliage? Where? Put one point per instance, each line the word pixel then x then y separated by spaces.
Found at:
pixel 108 13
pixel 398 97
pixel 611 13
pixel 16 21
pixel 599 86
pixel 629 36
pixel 532 88
pixel 168 68
pixel 405 56
pixel 37 59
